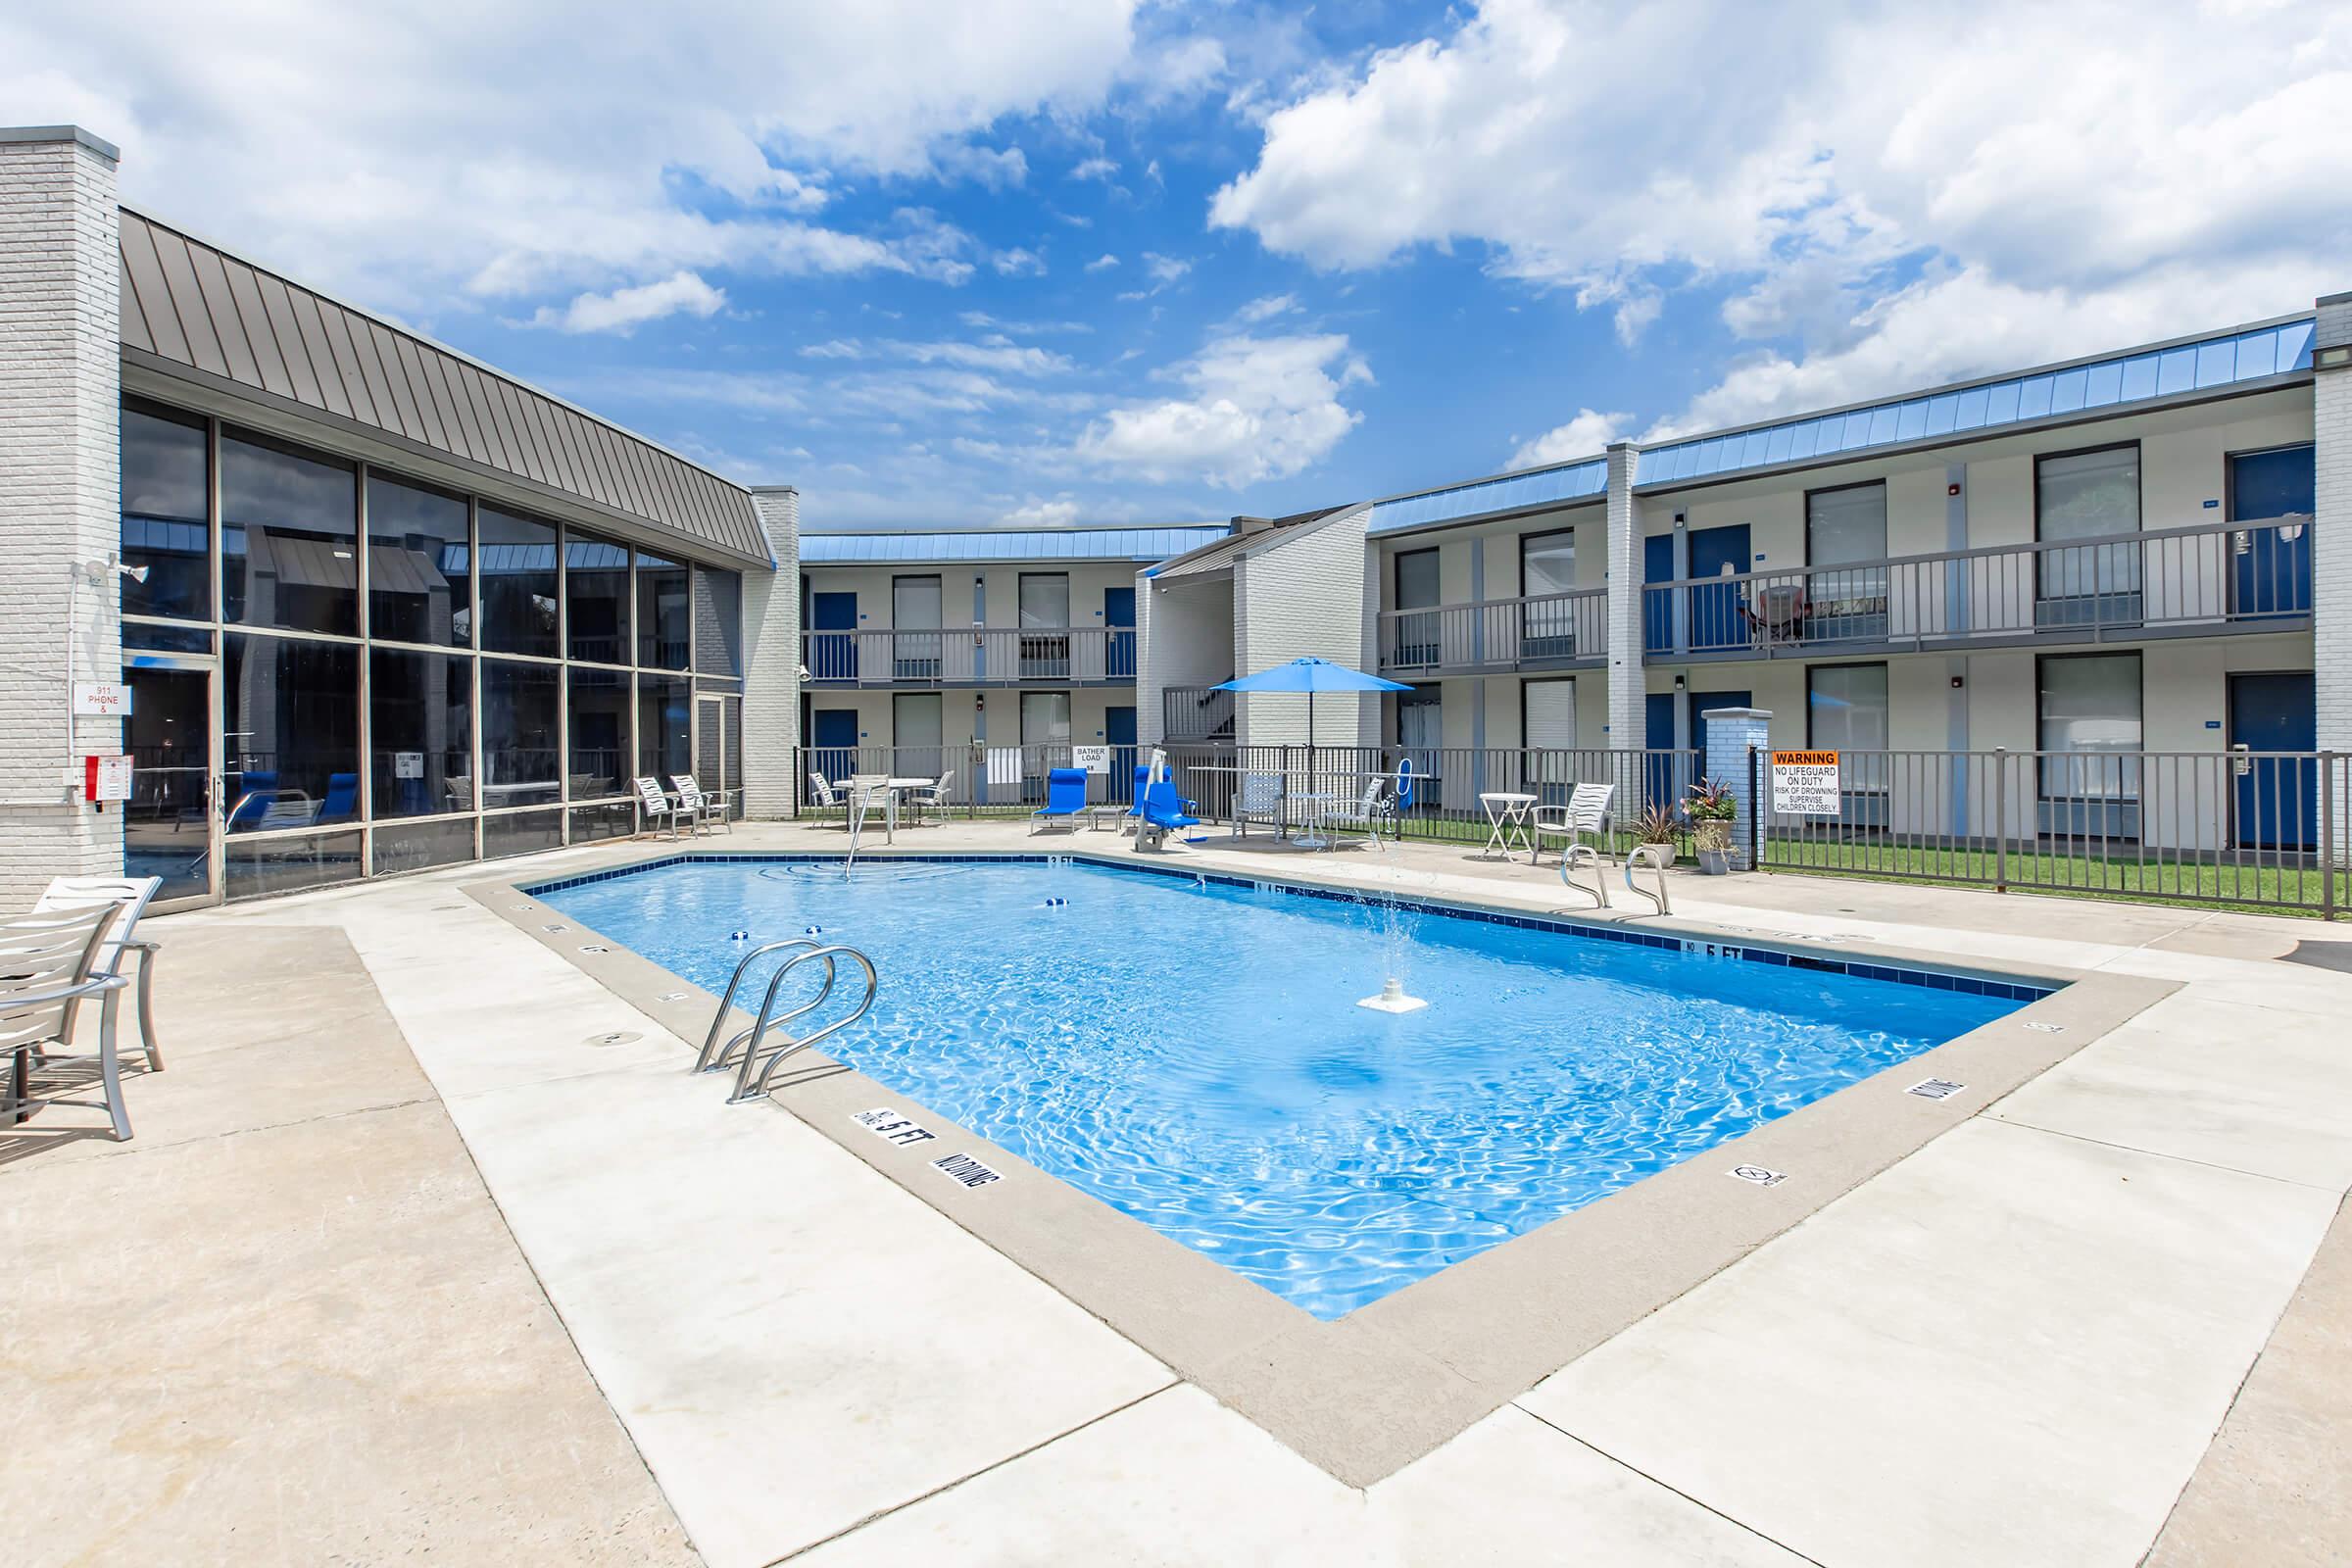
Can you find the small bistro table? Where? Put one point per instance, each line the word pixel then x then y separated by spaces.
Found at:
pixel 1507 813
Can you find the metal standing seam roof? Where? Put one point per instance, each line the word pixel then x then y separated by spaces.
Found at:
pixel 1575 481
pixel 2115 380
pixel 193 305
pixel 2278 348
pixel 985 543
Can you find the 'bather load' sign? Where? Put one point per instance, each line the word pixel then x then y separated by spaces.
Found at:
pixel 1804 783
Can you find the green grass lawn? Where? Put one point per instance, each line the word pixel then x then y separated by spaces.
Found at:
pixel 2301 890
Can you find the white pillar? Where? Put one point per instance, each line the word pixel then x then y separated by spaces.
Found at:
pixel 60 385
pixel 1626 729
pixel 1731 733
pixel 771 661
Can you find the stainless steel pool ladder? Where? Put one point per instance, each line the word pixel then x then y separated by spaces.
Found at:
pixel 1656 856
pixel 752 1074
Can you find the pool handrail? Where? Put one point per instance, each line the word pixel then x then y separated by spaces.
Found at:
pixel 751 1087
pixel 715 1055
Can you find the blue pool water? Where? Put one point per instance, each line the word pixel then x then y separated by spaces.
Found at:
pixel 1194 1056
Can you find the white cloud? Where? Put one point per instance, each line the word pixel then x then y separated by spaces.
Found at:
pixel 1036 514
pixel 1102 263
pixel 1581 437
pixel 1096 167
pixel 1017 262
pixel 626 309
pixel 406 151
pixel 995 353
pixel 1265 308
pixel 1164 268
pixel 1253 408
pixel 1861 187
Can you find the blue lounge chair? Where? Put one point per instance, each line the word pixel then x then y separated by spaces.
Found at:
pixel 1065 796
pixel 1162 810
pixel 256 792
pixel 342 801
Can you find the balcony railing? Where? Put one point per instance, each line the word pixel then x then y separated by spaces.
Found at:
pixel 1548 629
pixel 2238 576
pixel 971 656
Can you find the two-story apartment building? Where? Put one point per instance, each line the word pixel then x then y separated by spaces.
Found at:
pixel 2107 555
pixel 920 645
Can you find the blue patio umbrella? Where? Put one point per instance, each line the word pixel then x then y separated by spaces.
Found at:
pixel 1311 676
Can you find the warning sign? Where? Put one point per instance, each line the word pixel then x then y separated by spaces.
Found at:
pixel 1804 783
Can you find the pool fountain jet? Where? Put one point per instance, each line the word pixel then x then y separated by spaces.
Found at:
pixel 1391 999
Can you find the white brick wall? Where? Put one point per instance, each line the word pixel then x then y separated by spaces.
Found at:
pixel 60 498
pixel 1304 597
pixel 771 661
pixel 2331 532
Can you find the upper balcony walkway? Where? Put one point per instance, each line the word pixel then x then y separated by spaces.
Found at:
pixel 971 656
pixel 2252 577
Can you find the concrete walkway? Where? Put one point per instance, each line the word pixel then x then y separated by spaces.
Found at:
pixel 285 1324
pixel 2015 1346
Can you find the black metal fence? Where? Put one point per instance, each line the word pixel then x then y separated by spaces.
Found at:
pixel 2242 828
pixel 2236 828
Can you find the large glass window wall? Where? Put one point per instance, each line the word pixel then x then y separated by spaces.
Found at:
pixel 407 677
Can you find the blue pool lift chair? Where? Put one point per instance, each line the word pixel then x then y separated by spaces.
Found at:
pixel 1133 817
pixel 1162 810
pixel 1065 798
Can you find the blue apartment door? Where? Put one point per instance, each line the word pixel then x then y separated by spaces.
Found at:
pixel 2272 572
pixel 1658 610
pixel 1118 732
pixel 835 656
pixel 2277 804
pixel 1661 769
pixel 833 742
pixel 1119 617
pixel 1716 619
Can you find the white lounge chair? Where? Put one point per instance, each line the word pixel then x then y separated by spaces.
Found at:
pixel 1579 828
pixel 661 810
pixel 707 808
pixel 1369 811
pixel 129 897
pixel 822 797
pixel 1260 800
pixel 48 967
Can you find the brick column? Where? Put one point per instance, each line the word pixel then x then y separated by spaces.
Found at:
pixel 1730 732
pixel 1627 730
pixel 2332 558
pixel 61 494
pixel 771 661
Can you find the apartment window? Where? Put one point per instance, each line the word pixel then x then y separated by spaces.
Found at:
pixel 1547 569
pixel 1845 712
pixel 289 538
pixel 1045 602
pixel 1548 721
pixel 596 598
pixel 419 566
pixel 166 516
pixel 1046 720
pixel 917 733
pixel 916 610
pixel 1414 641
pixel 1845 531
pixel 2091 730
pixel 2079 496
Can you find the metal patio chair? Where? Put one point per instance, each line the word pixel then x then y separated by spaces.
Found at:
pixel 127 896
pixel 46 969
pixel 1260 800
pixel 660 810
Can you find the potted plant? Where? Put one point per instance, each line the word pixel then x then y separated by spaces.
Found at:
pixel 1713 809
pixel 1657 827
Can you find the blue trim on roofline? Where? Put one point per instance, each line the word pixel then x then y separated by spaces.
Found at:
pixel 999 544
pixel 1575 481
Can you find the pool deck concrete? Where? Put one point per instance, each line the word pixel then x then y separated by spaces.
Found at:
pixel 2105 1315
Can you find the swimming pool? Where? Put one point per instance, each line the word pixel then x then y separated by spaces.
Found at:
pixel 1191 1052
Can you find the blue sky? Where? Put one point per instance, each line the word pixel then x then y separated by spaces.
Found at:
pixel 1092 260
